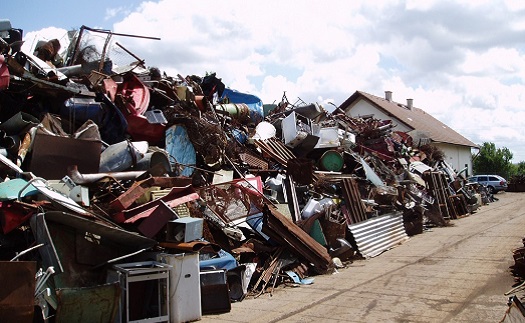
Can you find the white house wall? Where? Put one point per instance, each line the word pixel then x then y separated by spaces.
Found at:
pixel 457 156
pixel 363 107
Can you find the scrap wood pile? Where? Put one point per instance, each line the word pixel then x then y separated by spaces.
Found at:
pixel 103 165
pixel 517 183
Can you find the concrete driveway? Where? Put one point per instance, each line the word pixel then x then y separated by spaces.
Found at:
pixel 450 274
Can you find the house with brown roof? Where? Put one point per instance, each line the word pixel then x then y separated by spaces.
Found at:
pixel 416 122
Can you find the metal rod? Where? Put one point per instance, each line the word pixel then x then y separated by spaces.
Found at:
pixel 26 251
pixel 120 258
pixel 130 53
pixel 117 34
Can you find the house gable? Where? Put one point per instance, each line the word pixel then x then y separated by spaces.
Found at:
pixel 406 117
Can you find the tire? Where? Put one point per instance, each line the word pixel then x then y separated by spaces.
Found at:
pixel 491 189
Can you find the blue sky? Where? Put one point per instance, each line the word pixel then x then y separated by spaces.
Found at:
pixel 461 61
pixel 36 15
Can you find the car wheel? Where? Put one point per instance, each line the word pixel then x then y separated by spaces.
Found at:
pixel 491 189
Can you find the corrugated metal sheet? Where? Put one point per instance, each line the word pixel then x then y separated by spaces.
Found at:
pixel 379 234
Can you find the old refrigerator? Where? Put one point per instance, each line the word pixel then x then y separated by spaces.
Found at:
pixel 185 293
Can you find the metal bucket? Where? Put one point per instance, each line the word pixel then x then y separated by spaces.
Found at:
pixel 153 159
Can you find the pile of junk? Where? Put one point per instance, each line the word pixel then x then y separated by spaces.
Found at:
pixel 130 195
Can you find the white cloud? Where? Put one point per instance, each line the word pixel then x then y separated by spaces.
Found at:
pixel 461 61
pixel 31 39
pixel 514 5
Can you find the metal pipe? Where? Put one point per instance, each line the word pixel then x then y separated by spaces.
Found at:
pixel 42 279
pixel 79 178
pixel 117 34
pixel 141 61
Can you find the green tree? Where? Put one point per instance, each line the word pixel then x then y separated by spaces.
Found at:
pixel 492 160
pixel 520 168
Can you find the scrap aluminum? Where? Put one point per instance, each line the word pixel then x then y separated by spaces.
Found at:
pixel 376 235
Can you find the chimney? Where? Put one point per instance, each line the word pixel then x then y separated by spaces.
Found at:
pixel 388 96
pixel 410 103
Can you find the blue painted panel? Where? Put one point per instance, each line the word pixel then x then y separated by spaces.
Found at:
pixel 180 150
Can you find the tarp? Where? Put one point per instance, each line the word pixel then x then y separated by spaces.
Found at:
pixel 253 102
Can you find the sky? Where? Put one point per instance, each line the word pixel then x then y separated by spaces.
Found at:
pixel 463 62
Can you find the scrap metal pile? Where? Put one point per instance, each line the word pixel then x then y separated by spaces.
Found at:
pixel 105 165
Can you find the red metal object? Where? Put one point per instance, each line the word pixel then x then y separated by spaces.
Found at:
pixel 141 129
pixel 157 219
pixel 138 189
pixel 133 95
pixel 13 216
pixel 133 98
pixel 4 74
pixel 176 196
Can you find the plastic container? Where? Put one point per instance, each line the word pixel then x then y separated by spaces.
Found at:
pixel 311 208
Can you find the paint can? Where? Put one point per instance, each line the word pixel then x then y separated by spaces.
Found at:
pixel 332 161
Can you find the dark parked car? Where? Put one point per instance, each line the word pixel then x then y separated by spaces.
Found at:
pixel 494 183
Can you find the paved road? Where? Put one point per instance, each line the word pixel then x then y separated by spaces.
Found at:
pixel 451 274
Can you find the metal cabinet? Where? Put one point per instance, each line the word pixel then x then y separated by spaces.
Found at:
pixel 145 291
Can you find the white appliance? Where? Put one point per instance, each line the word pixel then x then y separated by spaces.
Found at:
pixel 185 291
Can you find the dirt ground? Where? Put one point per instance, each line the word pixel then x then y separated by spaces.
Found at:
pixel 458 273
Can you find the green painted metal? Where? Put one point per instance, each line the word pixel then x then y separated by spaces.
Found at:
pixel 88 304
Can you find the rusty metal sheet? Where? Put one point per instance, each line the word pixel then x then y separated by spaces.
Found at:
pixel 17 292
pixel 254 161
pixel 53 154
pixel 115 234
pixel 139 188
pixel 176 197
pixel 192 246
pixel 355 206
pixel 126 199
pixel 379 234
pixel 288 234
pixel 275 149
pixel 88 304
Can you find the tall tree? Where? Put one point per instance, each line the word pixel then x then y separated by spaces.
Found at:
pixel 492 160
pixel 520 168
